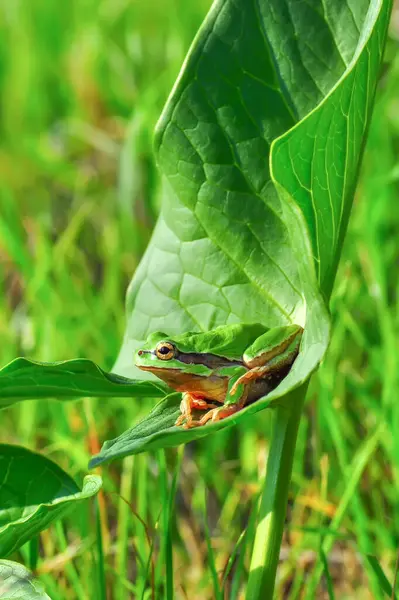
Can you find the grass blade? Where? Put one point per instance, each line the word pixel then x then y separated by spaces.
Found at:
pixel 382 578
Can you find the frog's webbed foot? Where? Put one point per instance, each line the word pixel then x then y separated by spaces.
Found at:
pixel 226 410
pixel 188 404
pixel 274 366
pixel 219 413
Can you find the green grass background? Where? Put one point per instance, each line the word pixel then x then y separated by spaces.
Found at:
pixel 82 84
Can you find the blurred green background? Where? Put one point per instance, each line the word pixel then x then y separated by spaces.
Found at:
pixel 82 84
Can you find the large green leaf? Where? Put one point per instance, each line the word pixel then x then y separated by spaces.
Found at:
pixel 260 143
pixel 157 431
pixel 25 379
pixel 34 492
pixel 17 583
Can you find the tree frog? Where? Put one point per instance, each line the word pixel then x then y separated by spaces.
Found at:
pixel 221 370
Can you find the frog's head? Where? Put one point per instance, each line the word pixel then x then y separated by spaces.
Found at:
pixel 161 356
pixel 159 352
pixel 178 362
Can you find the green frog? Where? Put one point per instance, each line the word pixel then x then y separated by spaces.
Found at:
pixel 222 370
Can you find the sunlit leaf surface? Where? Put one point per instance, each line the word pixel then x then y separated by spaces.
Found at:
pixel 260 144
pixel 18 583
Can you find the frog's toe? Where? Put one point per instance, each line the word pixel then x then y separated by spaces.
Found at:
pixel 225 411
pixel 180 420
pixel 217 414
pixel 190 423
pixel 188 404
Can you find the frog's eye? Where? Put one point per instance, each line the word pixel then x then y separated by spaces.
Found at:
pixel 165 350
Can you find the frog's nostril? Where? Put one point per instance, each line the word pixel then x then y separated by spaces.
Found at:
pixel 140 352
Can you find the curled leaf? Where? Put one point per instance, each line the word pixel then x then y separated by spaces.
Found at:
pixel 260 143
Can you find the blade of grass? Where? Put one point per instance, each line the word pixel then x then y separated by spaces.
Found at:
pixel 232 558
pixel 147 576
pixel 51 586
pixel 383 581
pixel 124 514
pixel 101 581
pixel 168 515
pixel 69 567
pixel 238 578
pixel 144 543
pixel 336 424
pixel 355 472
pixel 326 571
pixel 210 553
pixel 395 577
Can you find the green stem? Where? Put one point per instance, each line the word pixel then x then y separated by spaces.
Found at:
pixel 273 505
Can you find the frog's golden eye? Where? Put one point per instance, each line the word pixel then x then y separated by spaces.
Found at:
pixel 165 350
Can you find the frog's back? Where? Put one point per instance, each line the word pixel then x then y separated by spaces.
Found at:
pixel 229 341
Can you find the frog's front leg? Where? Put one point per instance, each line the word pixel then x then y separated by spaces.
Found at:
pixel 190 402
pixel 232 404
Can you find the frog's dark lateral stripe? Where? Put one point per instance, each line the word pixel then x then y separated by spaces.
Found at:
pixel 212 361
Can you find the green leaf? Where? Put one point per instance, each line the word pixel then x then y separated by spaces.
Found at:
pixel 24 379
pixel 17 583
pixel 260 143
pixel 156 431
pixel 34 492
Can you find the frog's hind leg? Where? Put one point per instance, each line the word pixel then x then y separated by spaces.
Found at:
pixel 189 403
pixel 253 374
pixel 273 366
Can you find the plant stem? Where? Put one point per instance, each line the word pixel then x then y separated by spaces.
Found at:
pixel 272 511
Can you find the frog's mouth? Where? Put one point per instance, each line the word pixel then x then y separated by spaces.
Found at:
pixel 156 370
